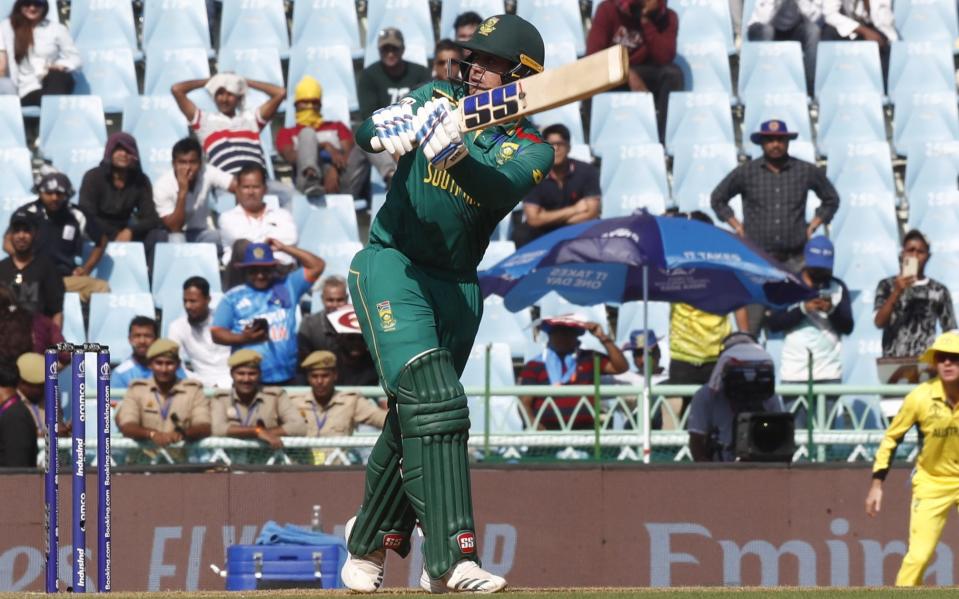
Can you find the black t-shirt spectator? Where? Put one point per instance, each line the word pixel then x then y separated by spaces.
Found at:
pixel 39 287
pixel 59 234
pixel 582 181
pixel 18 435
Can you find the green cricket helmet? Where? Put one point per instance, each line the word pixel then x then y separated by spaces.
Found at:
pixel 512 38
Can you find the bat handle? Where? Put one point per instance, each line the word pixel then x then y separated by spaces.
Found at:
pixel 375 144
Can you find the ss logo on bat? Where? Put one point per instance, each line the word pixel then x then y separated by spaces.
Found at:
pixel 493 105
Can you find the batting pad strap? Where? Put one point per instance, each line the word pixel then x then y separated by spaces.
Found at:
pixel 430 399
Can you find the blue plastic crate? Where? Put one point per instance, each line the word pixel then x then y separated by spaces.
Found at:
pixel 251 567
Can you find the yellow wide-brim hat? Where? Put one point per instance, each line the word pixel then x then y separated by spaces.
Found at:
pixel 948 342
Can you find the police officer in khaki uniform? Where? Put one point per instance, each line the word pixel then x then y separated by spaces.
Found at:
pixel 164 409
pixel 30 388
pixel 328 413
pixel 250 411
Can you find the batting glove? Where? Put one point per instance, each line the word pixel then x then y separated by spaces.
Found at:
pixel 394 128
pixel 438 134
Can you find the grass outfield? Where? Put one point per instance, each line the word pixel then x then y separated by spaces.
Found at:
pixel 679 593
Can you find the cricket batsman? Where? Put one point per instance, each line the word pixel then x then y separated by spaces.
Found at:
pixel 419 305
pixel 935 482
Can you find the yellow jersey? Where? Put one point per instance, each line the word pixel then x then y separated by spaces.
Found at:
pixel 695 336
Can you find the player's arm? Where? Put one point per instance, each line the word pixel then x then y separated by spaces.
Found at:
pixel 502 185
pixel 907 416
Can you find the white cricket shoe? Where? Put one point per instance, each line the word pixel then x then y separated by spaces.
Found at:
pixel 429 585
pixel 362 574
pixel 465 577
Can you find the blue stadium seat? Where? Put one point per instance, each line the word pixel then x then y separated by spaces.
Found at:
pixel 618 118
pixel 557 20
pixel 155 121
pixel 73 121
pixel 916 67
pixel 334 222
pixel 940 226
pixel 261 64
pixel 696 172
pixel 73 331
pixel 450 9
pixel 167 66
pixel 331 22
pixel 926 21
pixel 633 178
pixel 11 123
pixel 704 21
pixel 100 24
pixel 75 162
pixel 412 17
pixel 174 263
pixel 255 24
pixel 860 206
pixel 124 267
pixel 850 118
pixel 933 165
pixel 630 318
pixel 705 66
pixel 866 253
pixel 862 166
pixel 791 108
pixel 922 118
pixel 770 68
pixel 499 325
pixel 698 119
pixel 175 25
pixel 9 202
pixel 108 73
pixel 848 68
pixel 496 252
pixel 332 66
pixel 924 200
pixel 567 114
pixel 376 203
pixel 559 53
pixel 16 174
pixel 337 254
pixel 859 353
pixel 553 304
pixel 110 316
pixel 504 410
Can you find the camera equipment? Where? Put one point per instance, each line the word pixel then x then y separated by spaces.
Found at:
pixel 748 384
pixel 765 437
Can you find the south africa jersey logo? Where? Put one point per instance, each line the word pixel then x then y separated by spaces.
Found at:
pixel 537 175
pixel 385 312
pixel 506 152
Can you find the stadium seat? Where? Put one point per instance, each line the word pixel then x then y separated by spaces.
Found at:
pixel 618 118
pixel 926 21
pixel 108 73
pixel 556 20
pixel 559 53
pixel 569 115
pixel 174 26
pixel 553 304
pixel 916 67
pixel 375 204
pixel 332 66
pixel 630 318
pixel 174 263
pixel 75 162
pixel 450 9
pixel 859 353
pixel 866 253
pixel 261 64
pixel 504 410
pixel 940 226
pixel 72 121
pixel 924 118
pixel 11 123
pixel 924 200
pixel 850 118
pixel 697 169
pixel 791 108
pixel 848 68
pixel 331 22
pixel 110 316
pixel 337 254
pixel 412 17
pixel 705 66
pixel 496 252
pixel 704 21
pixel 165 67
pixel 254 24
pixel 698 119
pixel 499 325
pixel 155 121
pixel 9 202
pixel 861 166
pixel 16 175
pixel 334 222
pixel 770 68
pixel 124 267
pixel 633 178
pixel 73 331
pixel 933 165
pixel 853 203
pixel 102 24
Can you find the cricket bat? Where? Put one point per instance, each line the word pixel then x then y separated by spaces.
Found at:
pixel 555 87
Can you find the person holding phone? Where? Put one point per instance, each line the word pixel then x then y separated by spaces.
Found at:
pixel 909 306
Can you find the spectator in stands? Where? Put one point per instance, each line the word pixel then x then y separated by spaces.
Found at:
pixel 164 408
pixel 23 330
pixel 446 57
pixel 466 25
pixel 789 20
pixel 40 54
pixel 382 83
pixel 32 369
pixel 329 413
pixel 316 332
pixel 774 190
pixel 252 220
pixel 814 328
pixel 648 29
pixel 712 413
pixel 60 228
pixel 118 197
pixel 205 360
pixel 261 314
pixel 18 435
pixel 316 148
pixel 564 363
pixel 33 277
pixel 142 333
pixel 251 411
pixel 353 358
pixel 182 194
pixel 569 194
pixel 861 21
pixel 635 377
pixel 909 305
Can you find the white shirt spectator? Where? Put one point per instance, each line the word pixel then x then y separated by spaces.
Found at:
pixel 765 10
pixel 230 142
pixel 206 360
pixel 197 206
pixel 275 223
pixel 52 45
pixel 847 15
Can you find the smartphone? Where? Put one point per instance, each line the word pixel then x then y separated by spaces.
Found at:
pixel 260 323
pixel 910 266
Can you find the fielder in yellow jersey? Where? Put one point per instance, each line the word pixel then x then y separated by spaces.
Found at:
pixel 935 482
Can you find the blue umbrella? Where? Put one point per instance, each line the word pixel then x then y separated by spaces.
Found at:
pixel 601 261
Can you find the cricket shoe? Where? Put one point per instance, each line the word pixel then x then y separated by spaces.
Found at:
pixel 465 577
pixel 362 574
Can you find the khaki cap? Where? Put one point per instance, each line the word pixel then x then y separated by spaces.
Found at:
pixel 31 366
pixel 318 359
pixel 163 346
pixel 244 357
pixel 391 36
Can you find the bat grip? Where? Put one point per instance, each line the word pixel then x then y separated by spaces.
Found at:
pixel 375 144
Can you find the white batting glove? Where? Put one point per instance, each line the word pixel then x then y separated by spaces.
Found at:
pixel 394 128
pixel 438 134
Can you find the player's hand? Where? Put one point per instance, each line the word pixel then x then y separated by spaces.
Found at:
pixel 874 500
pixel 394 128
pixel 438 134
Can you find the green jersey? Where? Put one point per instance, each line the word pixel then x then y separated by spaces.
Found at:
pixel 442 220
